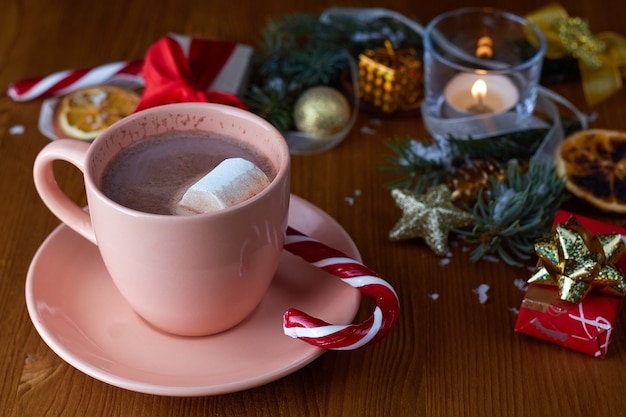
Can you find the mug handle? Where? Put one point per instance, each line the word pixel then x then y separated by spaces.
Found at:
pixel 74 152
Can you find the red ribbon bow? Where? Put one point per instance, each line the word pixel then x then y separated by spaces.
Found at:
pixel 173 76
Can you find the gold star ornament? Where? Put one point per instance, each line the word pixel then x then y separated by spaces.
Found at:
pixel 429 216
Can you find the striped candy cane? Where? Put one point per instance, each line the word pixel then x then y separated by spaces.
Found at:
pixel 63 82
pixel 341 337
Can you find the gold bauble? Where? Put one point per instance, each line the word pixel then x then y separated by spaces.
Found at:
pixel 321 111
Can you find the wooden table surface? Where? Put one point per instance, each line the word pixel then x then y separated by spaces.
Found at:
pixel 452 356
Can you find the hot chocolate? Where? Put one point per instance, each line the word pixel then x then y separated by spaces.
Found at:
pixel 152 175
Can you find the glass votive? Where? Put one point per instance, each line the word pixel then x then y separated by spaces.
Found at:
pixel 480 64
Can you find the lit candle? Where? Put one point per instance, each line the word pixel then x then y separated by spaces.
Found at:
pixel 481 93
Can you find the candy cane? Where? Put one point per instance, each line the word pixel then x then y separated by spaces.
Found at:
pixel 63 82
pixel 341 337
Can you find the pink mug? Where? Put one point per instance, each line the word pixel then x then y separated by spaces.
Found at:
pixel 187 275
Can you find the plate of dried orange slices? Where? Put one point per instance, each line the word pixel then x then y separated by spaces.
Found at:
pixel 86 112
pixel 594 163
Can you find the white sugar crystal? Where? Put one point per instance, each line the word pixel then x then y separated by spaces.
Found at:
pixel 482 293
pixel 233 181
pixel 490 258
pixel 16 130
pixel 367 130
pixel 521 284
pixel 444 261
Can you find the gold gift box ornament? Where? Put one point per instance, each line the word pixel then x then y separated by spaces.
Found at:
pixel 391 80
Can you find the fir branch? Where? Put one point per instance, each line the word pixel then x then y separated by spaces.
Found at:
pixel 272 103
pixel 314 65
pixel 502 148
pixel 293 49
pixel 510 215
pixel 421 164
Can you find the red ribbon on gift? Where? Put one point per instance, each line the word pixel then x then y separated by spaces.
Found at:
pixel 181 69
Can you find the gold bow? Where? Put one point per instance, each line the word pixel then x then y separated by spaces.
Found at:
pixel 577 262
pixel 601 58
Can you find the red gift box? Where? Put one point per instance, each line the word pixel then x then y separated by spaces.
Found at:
pixel 179 69
pixel 586 326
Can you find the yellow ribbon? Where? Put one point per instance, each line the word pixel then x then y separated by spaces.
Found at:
pixel 601 58
pixel 577 262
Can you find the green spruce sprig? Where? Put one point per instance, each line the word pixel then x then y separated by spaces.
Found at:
pixel 511 214
pixel 420 164
pixel 515 145
pixel 272 104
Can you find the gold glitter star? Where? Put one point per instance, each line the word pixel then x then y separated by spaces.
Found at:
pixel 429 216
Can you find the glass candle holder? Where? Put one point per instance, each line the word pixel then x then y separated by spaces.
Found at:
pixel 481 68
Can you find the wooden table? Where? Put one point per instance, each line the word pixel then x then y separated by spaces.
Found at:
pixel 446 357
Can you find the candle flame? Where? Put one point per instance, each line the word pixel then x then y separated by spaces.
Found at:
pixel 479 89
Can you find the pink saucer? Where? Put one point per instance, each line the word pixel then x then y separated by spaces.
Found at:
pixel 81 316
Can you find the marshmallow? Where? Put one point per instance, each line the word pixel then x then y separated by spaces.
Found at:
pixel 234 180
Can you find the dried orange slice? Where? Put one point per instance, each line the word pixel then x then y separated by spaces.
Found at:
pixel 85 113
pixel 594 162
